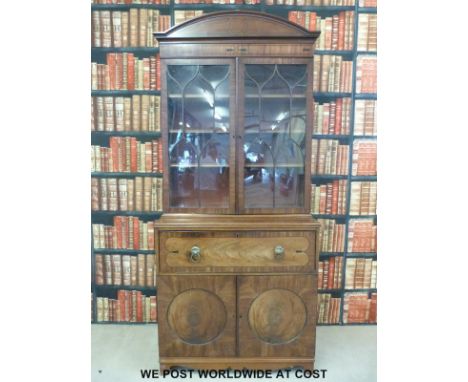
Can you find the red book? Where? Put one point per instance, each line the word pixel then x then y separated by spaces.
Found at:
pixel 118 229
pixel 111 63
pixel 338 115
pixel 373 308
pixel 133 155
pixel 119 71
pixel 136 233
pixel 125 241
pixel 139 307
pixel 121 299
pixel 160 157
pixel 334 204
pixel 331 272
pixel 122 154
pixel 341 30
pixel 158 72
pixel 293 16
pixel 114 147
pixel 313 21
pixel 150 235
pixel 130 71
pixel 128 305
pixel 133 311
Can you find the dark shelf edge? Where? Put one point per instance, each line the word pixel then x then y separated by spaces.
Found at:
pixel 366 96
pixel 328 216
pixel 367 9
pixel 361 255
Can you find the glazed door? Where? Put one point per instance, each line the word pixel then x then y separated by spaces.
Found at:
pixel 198 103
pixel 197 316
pixel 277 315
pixel 275 124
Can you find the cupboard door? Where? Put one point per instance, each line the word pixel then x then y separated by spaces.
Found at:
pixel 275 118
pixel 277 315
pixel 197 316
pixel 200 98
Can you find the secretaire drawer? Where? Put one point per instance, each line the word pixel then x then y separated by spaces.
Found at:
pixel 237 251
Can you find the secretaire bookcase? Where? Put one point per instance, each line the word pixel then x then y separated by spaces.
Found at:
pixel 237 249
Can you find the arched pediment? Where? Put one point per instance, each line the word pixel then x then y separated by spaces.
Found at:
pixel 236 25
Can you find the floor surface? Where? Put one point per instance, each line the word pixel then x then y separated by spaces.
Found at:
pixel 119 352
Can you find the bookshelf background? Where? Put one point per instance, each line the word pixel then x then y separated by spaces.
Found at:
pixel 342 301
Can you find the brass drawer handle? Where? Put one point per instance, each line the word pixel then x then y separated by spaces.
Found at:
pixel 279 252
pixel 195 254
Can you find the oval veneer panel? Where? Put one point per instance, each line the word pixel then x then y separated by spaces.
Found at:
pixel 277 316
pixel 197 316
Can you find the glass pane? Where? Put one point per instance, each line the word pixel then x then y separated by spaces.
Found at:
pixel 275 128
pixel 198 117
pixel 258 172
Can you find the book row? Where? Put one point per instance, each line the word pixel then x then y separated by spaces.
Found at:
pixel 330 273
pixel 366 74
pixel 162 2
pixel 368 3
pixel 333 117
pixel 337 31
pixel 130 306
pixel 363 198
pixel 311 2
pixel 332 235
pixel 367 32
pixel 332 74
pixel 329 157
pixel 329 198
pixel 125 270
pixel 364 158
pixel 250 2
pixel 126 154
pixel 365 116
pixel 134 28
pixel 362 236
pixel 139 194
pixel 127 232
pixel 359 308
pixel 361 273
pixel 135 113
pixel 124 71
pixel 181 16
pixel 328 309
